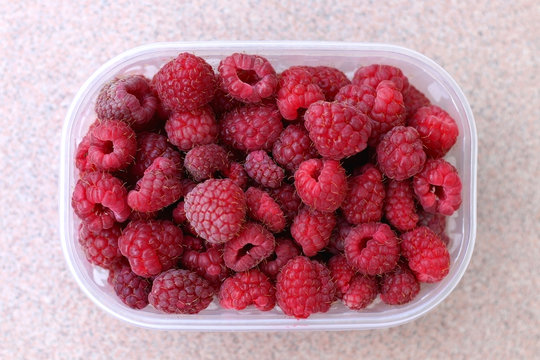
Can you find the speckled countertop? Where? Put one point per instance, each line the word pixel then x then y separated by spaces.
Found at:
pixel 48 49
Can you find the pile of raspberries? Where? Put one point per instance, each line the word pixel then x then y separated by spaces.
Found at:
pixel 298 189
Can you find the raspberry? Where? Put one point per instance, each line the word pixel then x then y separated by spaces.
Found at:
pixel 337 130
pixel 292 147
pixel 261 168
pixel 374 74
pixel 287 199
pixel 312 229
pixel 304 287
pixel 364 200
pixel 99 199
pixel 159 187
pixel 400 153
pixel 321 184
pixel 235 171
pixel 399 208
pixel 179 214
pixel 426 253
pixel 362 97
pixel 112 146
pixel 372 248
pixel 336 244
pixel 297 90
pixel 100 248
pixel 436 222
pixel 180 292
pixel 81 155
pixel 264 209
pixel 362 291
pixel 131 288
pixel 185 83
pixel 203 161
pixel 438 187
pixel 437 129
pixel 151 246
pixel 251 127
pixel 284 251
pixel 399 286
pixel 342 274
pixel 250 247
pixel 222 101
pixel 388 111
pixel 128 99
pixel 250 287
pixel 216 209
pixel 260 83
pixel 191 128
pixel 187 186
pixel 414 99
pixel 207 263
pixel 329 79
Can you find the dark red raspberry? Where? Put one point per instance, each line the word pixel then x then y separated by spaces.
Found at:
pixel 362 97
pixel 151 246
pixel 249 248
pixel 329 79
pixel 260 82
pixel 372 75
pixel 287 199
pixel 180 292
pixel 128 99
pixel 237 174
pixel 361 293
pixel 372 248
pixel 399 286
pixel 185 83
pixel 250 287
pixel 131 288
pixel 388 111
pixel 400 153
pixel 414 99
pixel 261 168
pixel 262 207
pixel 437 129
pixel 207 262
pixel 297 90
pixel 342 274
pixel 438 187
pixel 187 186
pixel 304 287
pixel 337 130
pixel 191 128
pixel 100 248
pixel 112 146
pixel 222 101
pixel 285 250
pixel 292 147
pixel 336 245
pixel 203 161
pixel 216 209
pixel 426 253
pixel 399 207
pixel 365 198
pixel 436 222
pixel 179 214
pixel 312 229
pixel 159 187
pixel 321 184
pixel 100 200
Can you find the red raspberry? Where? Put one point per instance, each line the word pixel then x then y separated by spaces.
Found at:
pixel 179 214
pixel 399 208
pixel 374 74
pixel 128 99
pixel 262 207
pixel 206 262
pixel 100 200
pixel 251 127
pixel 131 288
pixel 191 128
pixel 437 129
pixel 329 79
pixel 414 99
pixel 312 229
pixel 372 248
pixel 151 246
pixel 185 83
pixel 187 186
pixel 222 101
pixel 400 153
pixel 112 146
pixel 237 174
pixel 336 245
pixel 362 291
pixel 304 287
pixel 203 161
pixel 292 147
pixel 81 155
pixel 361 97
pixel 250 247
pixel 159 187
pixel 297 90
pixel 250 287
pixel 436 222
pixel 342 274
pixel 399 286
pixel 388 111
pixel 321 184
pixel 180 292
pixel 365 198
pixel 216 209
pixel 260 82
pixel 337 130
pixel 287 199
pixel 285 250
pixel 426 253
pixel 261 168
pixel 438 187
pixel 100 248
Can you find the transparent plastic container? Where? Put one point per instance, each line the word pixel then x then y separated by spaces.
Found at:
pixel 422 72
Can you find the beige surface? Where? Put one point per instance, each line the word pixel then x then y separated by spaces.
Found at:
pixel 47 50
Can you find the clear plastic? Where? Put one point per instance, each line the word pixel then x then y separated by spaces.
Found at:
pixel 422 72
